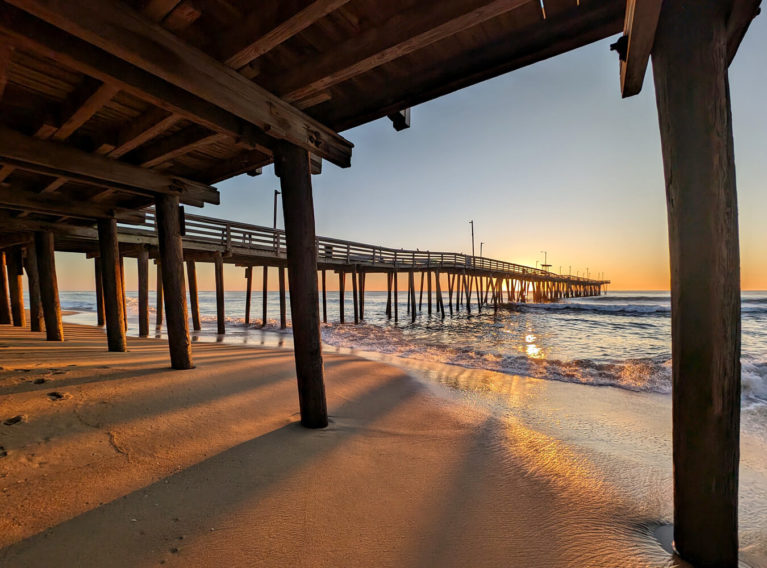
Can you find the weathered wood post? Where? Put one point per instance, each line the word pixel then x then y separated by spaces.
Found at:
pixel 218 262
pixel 420 296
pixel 49 287
pixel 411 282
pixel 283 307
pixel 36 321
pixel 396 296
pixel 5 306
pixel 324 299
pixel 142 264
pixel 428 308
pixel 388 294
pixel 341 290
pixel 172 257
pixel 354 295
pixel 110 276
pixel 440 303
pixel 99 291
pixel 450 292
pixel 124 293
pixel 248 292
pixel 159 298
pixel 362 295
pixel 298 210
pixel 194 300
pixel 16 286
pixel 264 296
pixel 689 60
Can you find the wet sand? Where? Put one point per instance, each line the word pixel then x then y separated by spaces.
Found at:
pixel 133 464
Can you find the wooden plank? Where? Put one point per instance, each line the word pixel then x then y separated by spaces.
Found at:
pixel 84 108
pixel 65 161
pixel 241 48
pixel 54 204
pixel 156 10
pixel 693 99
pixel 301 241
pixel 49 287
pixel 639 31
pixel 741 15
pixel 172 255
pixel 115 28
pixel 6 52
pixel 183 142
pixel 150 124
pixel 5 172
pixel 409 30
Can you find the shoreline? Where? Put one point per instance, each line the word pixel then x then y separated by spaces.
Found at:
pixel 135 456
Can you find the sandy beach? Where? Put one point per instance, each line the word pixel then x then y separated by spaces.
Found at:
pixel 116 460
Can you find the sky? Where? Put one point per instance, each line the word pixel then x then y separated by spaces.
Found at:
pixel 546 158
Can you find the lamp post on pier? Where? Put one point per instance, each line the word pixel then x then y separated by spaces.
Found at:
pixel 545 266
pixel 276 193
pixel 480 249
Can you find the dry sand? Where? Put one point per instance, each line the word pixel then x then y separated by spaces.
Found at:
pixel 133 464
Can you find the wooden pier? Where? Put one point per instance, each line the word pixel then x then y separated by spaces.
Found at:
pixel 110 107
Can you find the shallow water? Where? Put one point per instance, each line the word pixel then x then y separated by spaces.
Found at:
pixel 539 368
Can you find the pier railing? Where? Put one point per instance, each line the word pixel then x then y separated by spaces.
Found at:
pixel 244 238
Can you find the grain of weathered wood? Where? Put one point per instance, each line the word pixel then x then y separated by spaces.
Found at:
pixel 5 305
pixel 324 299
pixel 86 105
pixel 171 147
pixel 16 285
pixel 639 30
pixel 49 287
pixel 172 255
pixel 191 275
pixel 115 28
pixel 110 276
pixel 220 303
pixel 692 94
pixel 264 296
pixel 143 292
pixel 298 211
pixel 283 306
pixel 99 291
pixel 135 133
pixel 355 299
pixel 159 304
pixel 59 205
pixel 248 292
pixel 36 320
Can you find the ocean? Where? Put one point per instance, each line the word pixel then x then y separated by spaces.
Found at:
pixel 590 375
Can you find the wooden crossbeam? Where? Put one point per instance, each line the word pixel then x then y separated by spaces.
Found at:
pixel 639 36
pixel 141 130
pixel 86 103
pixel 156 10
pixel 6 51
pixel 54 185
pixel 178 144
pixel 10 222
pixel 34 35
pixel 113 27
pixel 14 238
pixel 241 48
pixel 403 33
pixel 60 160
pixel 741 15
pixel 244 162
pixel 55 204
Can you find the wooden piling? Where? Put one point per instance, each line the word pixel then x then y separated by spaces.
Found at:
pixel 467 292
pixel 264 296
pixel 450 279
pixel 324 299
pixel 396 296
pixel 218 262
pixel 411 282
pixel 341 286
pixel 388 294
pixel 292 165
pixel 49 287
pixel 248 292
pixel 362 295
pixel 124 293
pixel 354 295
pixel 143 292
pixel 158 294
pixel 428 278
pixel 194 300
pixel 16 286
pixel 168 219
pixel 99 291
pixel 5 305
pixel 283 307
pixel 36 321
pixel 440 303
pixel 692 94
pixel 112 285
pixel 420 297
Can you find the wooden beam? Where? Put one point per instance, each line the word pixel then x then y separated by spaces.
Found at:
pixel 244 162
pixel 14 238
pixel 6 52
pixel 298 207
pixel 143 292
pixel 191 276
pixel 156 10
pixel 38 37
pixel 741 15
pixel 150 124
pixel 420 26
pixel 84 104
pixel 5 306
pixel 49 287
pixel 183 142
pixel 241 48
pixel 54 185
pixel 689 61
pixel 220 305
pixel 115 28
pixel 16 285
pixel 36 322
pixel 54 204
pixel 112 284
pixel 60 160
pixel 635 46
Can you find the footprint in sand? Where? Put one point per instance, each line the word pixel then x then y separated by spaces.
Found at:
pixel 56 396
pixel 3 453
pixel 15 420
pixel 38 381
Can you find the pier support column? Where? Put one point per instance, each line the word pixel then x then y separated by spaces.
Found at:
pixel 298 210
pixel 388 294
pixel 172 260
pixel 5 306
pixel 355 299
pixel 264 296
pixel 283 302
pixel 124 293
pixel 692 94
pixel 341 290
pixel 110 274
pixel 248 292
pixel 16 286
pixel 395 277
pixel 324 299
pixel 49 287
pixel 143 292
pixel 218 262
pixel 99 291
pixel 411 284
pixel 194 301
pixel 158 294
pixel 36 321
